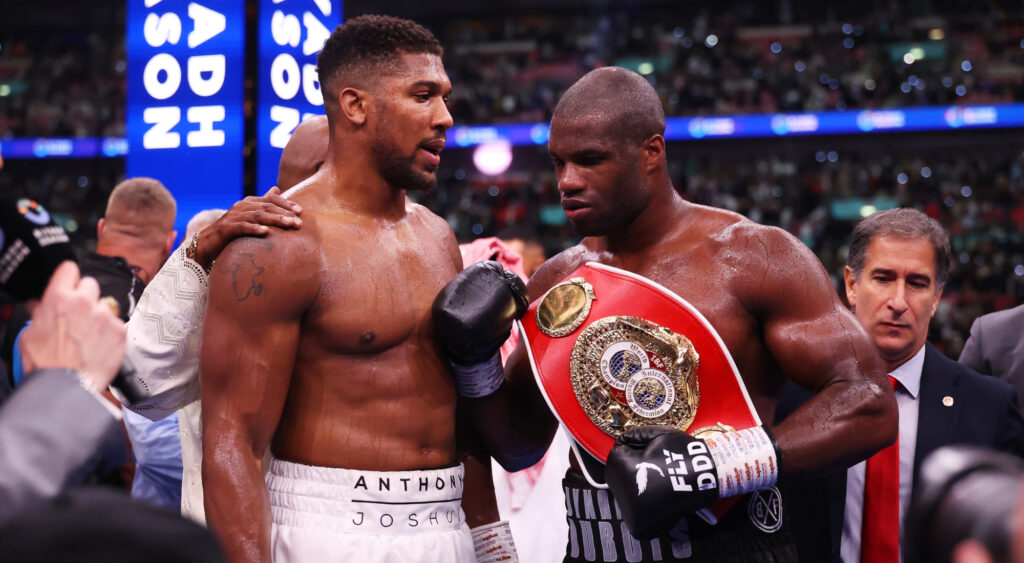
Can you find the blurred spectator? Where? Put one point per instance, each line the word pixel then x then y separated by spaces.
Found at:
pixel 72 350
pixel 99 526
pixel 963 507
pixel 525 244
pixel 996 347
pixel 69 84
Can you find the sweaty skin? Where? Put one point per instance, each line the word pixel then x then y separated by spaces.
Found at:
pixel 319 341
pixel 765 293
pixel 302 157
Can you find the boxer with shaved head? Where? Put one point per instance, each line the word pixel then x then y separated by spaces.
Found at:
pixel 765 295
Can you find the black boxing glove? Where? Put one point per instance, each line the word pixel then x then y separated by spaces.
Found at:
pixel 658 474
pixel 473 317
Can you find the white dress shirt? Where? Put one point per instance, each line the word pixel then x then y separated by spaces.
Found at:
pixel 907 393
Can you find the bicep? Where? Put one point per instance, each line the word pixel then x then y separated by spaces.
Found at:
pixel 250 338
pixel 813 338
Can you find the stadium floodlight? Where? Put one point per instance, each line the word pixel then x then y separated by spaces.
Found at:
pixel 493 158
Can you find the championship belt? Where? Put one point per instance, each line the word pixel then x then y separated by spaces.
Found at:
pixel 612 350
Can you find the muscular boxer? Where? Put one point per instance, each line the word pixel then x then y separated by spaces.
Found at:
pixel 320 342
pixel 766 295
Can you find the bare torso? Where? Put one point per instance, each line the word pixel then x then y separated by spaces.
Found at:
pixel 368 390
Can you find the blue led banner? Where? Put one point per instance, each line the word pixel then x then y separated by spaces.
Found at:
pixel 78 147
pixel 933 118
pixel 291 33
pixel 937 118
pixel 185 116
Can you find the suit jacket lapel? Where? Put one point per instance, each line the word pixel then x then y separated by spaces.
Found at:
pixel 936 423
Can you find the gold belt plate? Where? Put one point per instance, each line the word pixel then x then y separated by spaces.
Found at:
pixel 629 372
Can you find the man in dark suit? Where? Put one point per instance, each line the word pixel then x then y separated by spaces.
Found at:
pixel 897 266
pixel 996 348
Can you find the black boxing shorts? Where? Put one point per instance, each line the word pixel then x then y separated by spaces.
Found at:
pixel 752 531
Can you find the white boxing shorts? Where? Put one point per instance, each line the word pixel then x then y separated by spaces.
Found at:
pixel 324 514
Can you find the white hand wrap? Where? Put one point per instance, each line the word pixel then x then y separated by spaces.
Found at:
pixel 479 380
pixel 494 544
pixel 746 461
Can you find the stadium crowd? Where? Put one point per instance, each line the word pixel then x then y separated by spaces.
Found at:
pixel 515 68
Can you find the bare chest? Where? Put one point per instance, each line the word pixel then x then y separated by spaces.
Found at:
pixel 708 285
pixel 377 290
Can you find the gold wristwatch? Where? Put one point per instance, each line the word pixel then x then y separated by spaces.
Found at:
pixel 191 253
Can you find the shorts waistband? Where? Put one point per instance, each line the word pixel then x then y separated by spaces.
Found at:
pixel 379 502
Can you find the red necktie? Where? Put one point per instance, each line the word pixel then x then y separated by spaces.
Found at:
pixel 880 530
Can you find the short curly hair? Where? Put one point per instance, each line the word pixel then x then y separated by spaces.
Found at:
pixel 358 49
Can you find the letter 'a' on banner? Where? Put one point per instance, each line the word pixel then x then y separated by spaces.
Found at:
pixel 291 33
pixel 185 118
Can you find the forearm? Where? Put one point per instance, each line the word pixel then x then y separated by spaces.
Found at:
pixel 843 424
pixel 236 500
pixel 515 424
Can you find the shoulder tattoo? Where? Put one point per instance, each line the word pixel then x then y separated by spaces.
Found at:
pixel 245 275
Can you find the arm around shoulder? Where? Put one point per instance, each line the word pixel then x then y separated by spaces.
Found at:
pixel 164 334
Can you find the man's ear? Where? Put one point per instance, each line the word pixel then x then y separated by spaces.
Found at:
pixel 653 151
pixel 352 104
pixel 99 227
pixel 851 286
pixel 169 243
pixel 935 303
